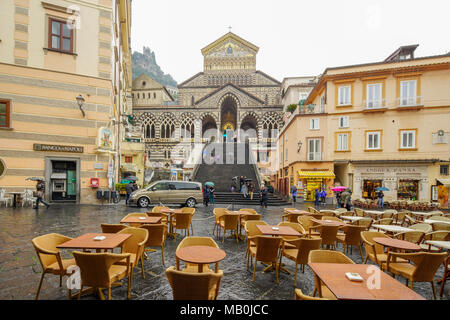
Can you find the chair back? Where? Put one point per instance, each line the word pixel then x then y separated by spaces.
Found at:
pixel 294 225
pixel 411 236
pixel 426 265
pixel 194 286
pixel 251 217
pixel 328 256
pixel 157 209
pixel 331 218
pixel 134 244
pixel 112 228
pixel 250 227
pixel 183 220
pixel 437 235
pixel 424 227
pixel 305 221
pixel 218 212
pixel 385 221
pixel 312 210
pixel 366 223
pixel 304 246
pixel 353 234
pixel 157 234
pixel 249 210
pixel 267 248
pixel 436 226
pixel 300 296
pixel 439 218
pixel 371 246
pixel 328 234
pixel 188 210
pixel 230 221
pixel 197 241
pixel 46 250
pixel 94 267
pixel 328 213
pixel 359 212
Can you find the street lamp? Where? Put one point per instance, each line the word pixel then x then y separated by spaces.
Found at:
pixel 299 145
pixel 80 101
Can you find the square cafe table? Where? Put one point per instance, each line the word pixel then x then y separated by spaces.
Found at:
pixel 147 220
pixel 282 230
pixel 87 242
pixel 391 228
pixel 333 276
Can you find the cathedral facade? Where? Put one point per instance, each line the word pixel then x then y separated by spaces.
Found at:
pixel 230 100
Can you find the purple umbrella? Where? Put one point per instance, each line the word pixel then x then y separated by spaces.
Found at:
pixel 339 188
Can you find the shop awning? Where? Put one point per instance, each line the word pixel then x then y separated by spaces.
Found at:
pixel 326 174
pixel 445 182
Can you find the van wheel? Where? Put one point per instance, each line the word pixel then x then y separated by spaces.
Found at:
pixel 191 202
pixel 143 202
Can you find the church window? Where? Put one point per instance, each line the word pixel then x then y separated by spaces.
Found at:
pixel 230 50
pixel 167 127
pixel 138 95
pixel 154 95
pixel 148 96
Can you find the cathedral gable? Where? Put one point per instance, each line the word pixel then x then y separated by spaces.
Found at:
pixel 230 45
pixel 245 98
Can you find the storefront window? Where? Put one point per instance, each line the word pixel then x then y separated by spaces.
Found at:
pixel 408 190
pixel 369 188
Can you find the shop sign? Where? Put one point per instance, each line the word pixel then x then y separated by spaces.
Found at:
pixel 57 148
pixel 393 170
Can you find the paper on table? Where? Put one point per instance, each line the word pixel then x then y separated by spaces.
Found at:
pixel 275 228
pixel 352 276
pixel 99 238
pixel 142 218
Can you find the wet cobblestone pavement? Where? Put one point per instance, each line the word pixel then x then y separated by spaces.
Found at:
pixel 20 269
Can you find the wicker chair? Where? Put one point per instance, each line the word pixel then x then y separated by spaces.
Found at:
pixel 341 210
pixel 359 212
pixel 112 228
pixel 312 210
pixel 400 218
pixel 244 218
pixel 366 223
pixel 135 245
pixel 157 234
pixel 218 212
pixel 98 270
pixel 190 211
pixel 437 226
pixel 300 252
pixel 440 218
pixel 328 213
pixel 229 222
pixel 411 236
pixel 181 221
pixel 434 236
pixel 307 224
pixel 266 250
pixel 326 256
pixel 297 227
pixel 196 241
pixel 409 220
pixel 328 234
pixel 424 227
pixel 50 257
pixel 291 217
pixel 374 251
pixel 164 216
pixel 331 218
pixel 352 237
pixel 251 232
pixel 249 210
pixel 194 286
pixel 386 221
pixel 423 269
pixel 300 296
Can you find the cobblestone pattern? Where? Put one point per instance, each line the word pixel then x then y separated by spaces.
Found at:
pixel 20 269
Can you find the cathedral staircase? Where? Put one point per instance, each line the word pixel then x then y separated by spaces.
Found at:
pixel 223 161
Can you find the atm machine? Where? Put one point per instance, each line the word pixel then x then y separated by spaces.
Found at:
pixel 58 186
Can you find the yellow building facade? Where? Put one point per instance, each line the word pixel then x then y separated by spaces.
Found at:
pixel 63 83
pixel 387 125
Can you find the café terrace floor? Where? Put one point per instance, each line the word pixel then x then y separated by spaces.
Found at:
pixel 20 269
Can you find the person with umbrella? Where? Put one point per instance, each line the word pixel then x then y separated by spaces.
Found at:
pixel 206 195
pixel 294 193
pixel 338 190
pixel 211 191
pixel 129 189
pixel 380 196
pixel 40 192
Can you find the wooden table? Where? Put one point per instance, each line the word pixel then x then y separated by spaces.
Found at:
pixel 397 244
pixel 87 242
pixel 143 220
pixel 333 276
pixel 325 222
pixel 353 218
pixel 391 228
pixel 296 211
pixel 200 255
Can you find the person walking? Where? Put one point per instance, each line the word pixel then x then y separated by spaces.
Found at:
pixel 40 192
pixel 263 196
pixel 245 190
pixel 135 186
pixel 316 198
pixel 211 194
pixel 380 199
pixel 251 188
pixel 338 199
pixel 294 194
pixel 346 200
pixel 129 189
pixel 205 195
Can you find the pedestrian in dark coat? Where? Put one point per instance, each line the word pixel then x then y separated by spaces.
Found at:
pixel 40 192
pixel 316 197
pixel 205 195
pixel 129 189
pixel 263 196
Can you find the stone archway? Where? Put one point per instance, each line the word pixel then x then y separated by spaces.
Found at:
pixel 209 127
pixel 228 116
pixel 249 127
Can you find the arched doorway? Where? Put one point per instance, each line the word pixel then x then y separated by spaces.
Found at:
pixel 228 115
pixel 209 128
pixel 249 128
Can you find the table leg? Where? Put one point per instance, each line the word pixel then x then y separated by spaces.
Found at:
pixel 178 264
pixel 200 268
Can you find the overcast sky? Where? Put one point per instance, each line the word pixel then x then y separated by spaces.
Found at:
pixel 295 37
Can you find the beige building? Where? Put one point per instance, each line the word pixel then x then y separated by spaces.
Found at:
pixel 64 71
pixel 295 90
pixel 387 125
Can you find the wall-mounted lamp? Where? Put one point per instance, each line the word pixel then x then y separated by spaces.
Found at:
pixel 299 144
pixel 80 101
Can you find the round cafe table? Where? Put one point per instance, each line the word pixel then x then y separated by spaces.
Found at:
pixel 200 255
pixel 397 244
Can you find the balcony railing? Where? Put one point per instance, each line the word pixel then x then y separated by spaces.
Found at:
pixel 409 101
pixel 374 104
pixel 315 156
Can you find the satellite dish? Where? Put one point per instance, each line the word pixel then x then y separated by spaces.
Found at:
pixel 440 133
